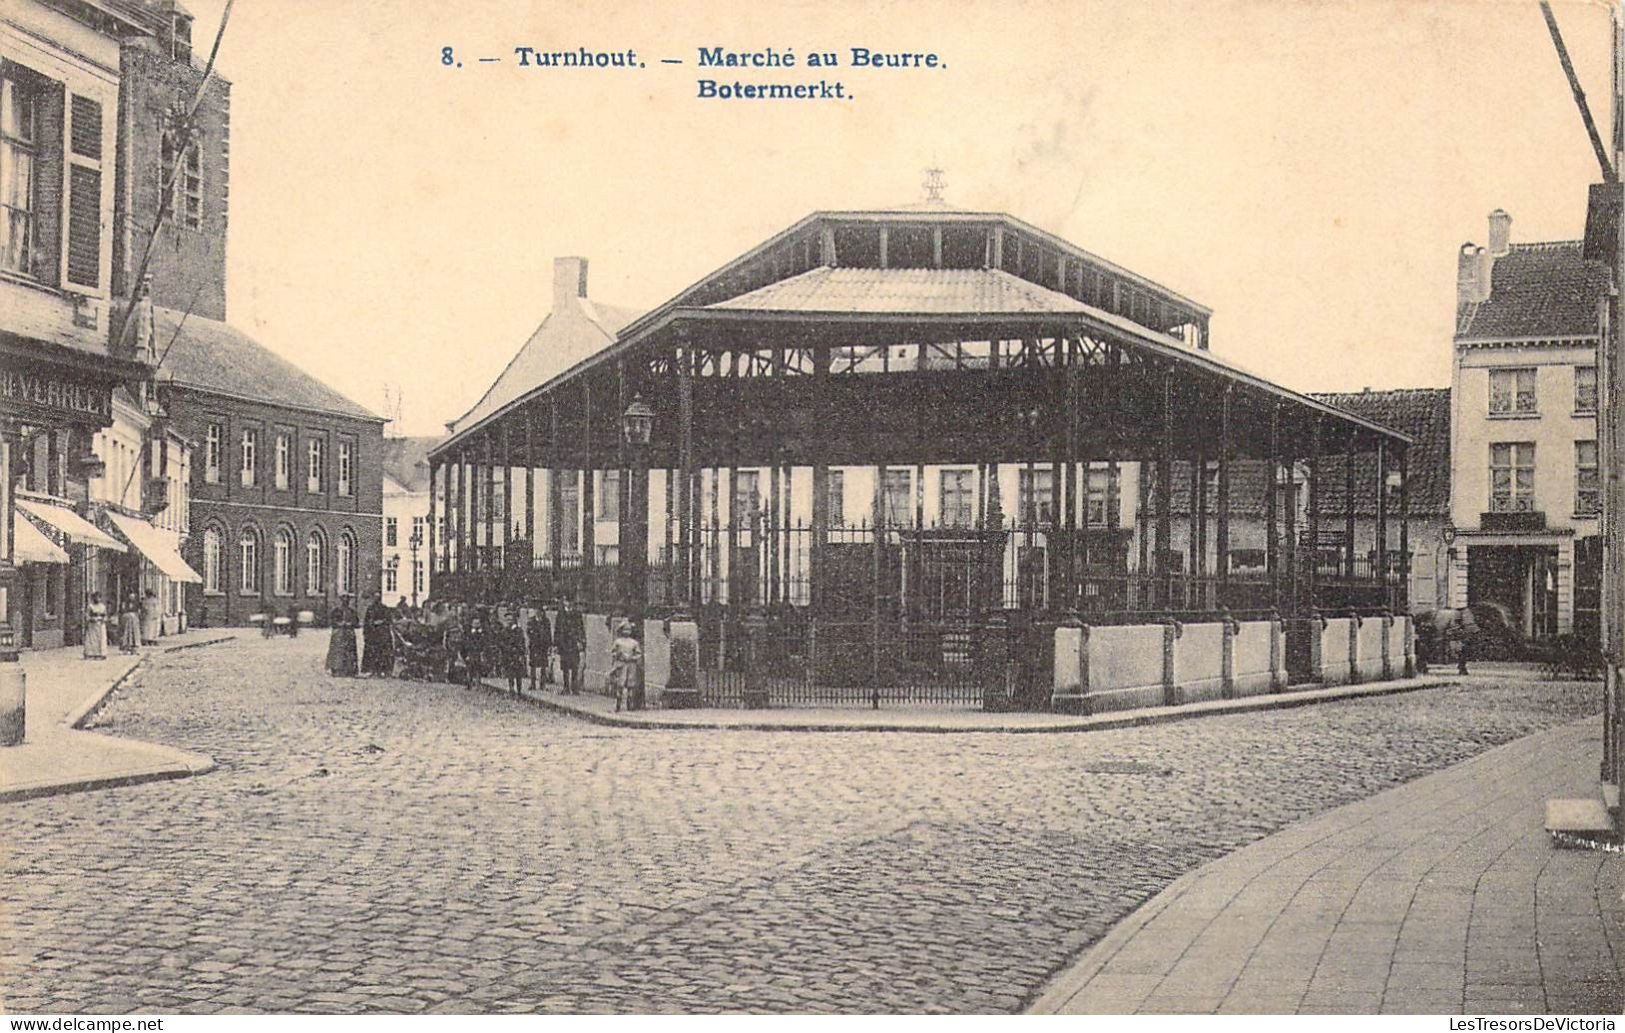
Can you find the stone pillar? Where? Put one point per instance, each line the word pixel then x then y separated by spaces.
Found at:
pixel 1171 694
pixel 683 688
pixel 1070 687
pixel 1277 655
pixel 1227 662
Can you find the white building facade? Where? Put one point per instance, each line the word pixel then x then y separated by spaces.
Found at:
pixel 1525 478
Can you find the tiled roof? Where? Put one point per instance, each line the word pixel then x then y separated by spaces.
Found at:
pixel 213 356
pixel 565 337
pixel 937 291
pixel 407 461
pixel 1424 414
pixel 1421 413
pixel 1537 290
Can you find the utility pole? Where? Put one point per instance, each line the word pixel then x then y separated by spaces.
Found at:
pixel 1605 241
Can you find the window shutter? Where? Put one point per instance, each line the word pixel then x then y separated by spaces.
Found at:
pixel 87 128
pixel 84 226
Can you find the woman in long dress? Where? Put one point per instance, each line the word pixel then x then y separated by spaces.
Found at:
pixel 96 628
pixel 149 618
pixel 341 642
pixel 129 624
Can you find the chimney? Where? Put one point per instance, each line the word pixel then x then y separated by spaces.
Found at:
pixel 1472 274
pixel 569 280
pixel 1500 233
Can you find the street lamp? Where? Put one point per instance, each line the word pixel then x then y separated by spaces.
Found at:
pixel 637 422
pixel 415 543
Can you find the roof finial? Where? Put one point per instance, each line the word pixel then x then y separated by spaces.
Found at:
pixel 934 185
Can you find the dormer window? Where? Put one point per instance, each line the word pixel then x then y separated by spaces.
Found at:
pixel 180 37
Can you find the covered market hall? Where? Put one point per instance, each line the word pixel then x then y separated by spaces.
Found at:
pixel 923 455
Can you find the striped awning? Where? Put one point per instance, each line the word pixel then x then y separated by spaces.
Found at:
pixel 79 530
pixel 31 546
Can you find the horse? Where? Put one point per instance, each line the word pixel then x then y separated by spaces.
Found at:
pixel 1475 628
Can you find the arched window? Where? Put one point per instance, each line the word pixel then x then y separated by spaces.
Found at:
pixel 248 562
pixel 346 560
pixel 282 568
pixel 211 560
pixel 315 553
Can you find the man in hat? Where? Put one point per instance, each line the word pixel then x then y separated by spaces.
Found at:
pixel 570 638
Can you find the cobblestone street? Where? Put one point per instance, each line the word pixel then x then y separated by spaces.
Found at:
pixel 387 846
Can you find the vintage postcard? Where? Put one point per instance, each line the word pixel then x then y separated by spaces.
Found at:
pixel 980 508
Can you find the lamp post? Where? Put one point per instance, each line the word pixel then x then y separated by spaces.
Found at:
pixel 415 543
pixel 637 427
pixel 395 570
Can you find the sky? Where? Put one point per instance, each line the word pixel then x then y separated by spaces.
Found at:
pixel 1307 169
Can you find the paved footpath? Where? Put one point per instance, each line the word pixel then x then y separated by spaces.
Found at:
pixel 63 691
pixel 1443 895
pixel 599 708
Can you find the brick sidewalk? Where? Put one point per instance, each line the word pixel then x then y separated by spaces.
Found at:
pixel 63 689
pixel 1442 895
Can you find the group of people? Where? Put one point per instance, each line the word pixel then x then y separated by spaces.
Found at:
pixel 138 617
pixel 467 644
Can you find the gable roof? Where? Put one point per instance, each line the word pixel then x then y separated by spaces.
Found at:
pixel 406 461
pixel 1537 290
pixel 1424 414
pixel 213 356
pixel 575 331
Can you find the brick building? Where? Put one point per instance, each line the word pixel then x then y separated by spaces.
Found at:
pixel 287 493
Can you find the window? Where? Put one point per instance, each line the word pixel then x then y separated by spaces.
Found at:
pixel 248 562
pixel 747 500
pixel 1042 499
pixel 1512 392
pixel 417 530
pixel 344 467
pixel 282 562
pixel 211 454
pixel 346 564
pixel 956 510
pixel 314 549
pixel 390 531
pixel 569 515
pixel 1247 559
pixel 1587 483
pixel 389 579
pixel 186 203
pixel 898 498
pixel 1099 484
pixel 837 498
pixel 1585 389
pixel 417 577
pixel 314 471
pixel 84 154
pixel 52 602
pixel 1512 477
pixel 180 37
pixel 609 495
pixel 251 441
pixel 283 460
pixel 18 124
pixel 211 561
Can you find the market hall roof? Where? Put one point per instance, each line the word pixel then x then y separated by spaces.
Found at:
pixel 930 270
pixel 213 356
pixel 966 292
